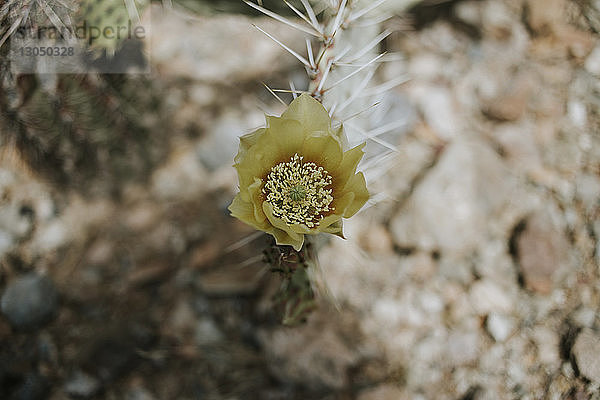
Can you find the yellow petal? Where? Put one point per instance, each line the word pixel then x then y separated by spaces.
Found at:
pixel 257 161
pixel 310 113
pixel 331 223
pixel 325 151
pixel 342 202
pixel 283 238
pixel 279 223
pixel 255 196
pixel 358 187
pixel 288 135
pixel 248 141
pixel 300 228
pixel 243 211
pixel 347 167
pixel 337 228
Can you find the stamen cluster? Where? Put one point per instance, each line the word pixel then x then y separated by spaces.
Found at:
pixel 298 192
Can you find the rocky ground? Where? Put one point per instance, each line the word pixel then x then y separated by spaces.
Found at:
pixel 475 277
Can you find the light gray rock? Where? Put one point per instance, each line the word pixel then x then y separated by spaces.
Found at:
pixel 585 317
pixel 468 11
pixel 450 210
pixel 462 348
pixel 30 301
pixel 488 297
pixel 499 326
pixel 587 354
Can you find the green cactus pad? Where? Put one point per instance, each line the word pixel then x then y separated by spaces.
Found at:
pixel 108 22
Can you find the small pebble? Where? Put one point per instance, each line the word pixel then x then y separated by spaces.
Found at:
pixel 30 301
pixel 577 113
pixel 499 326
pixel 587 351
pixel 81 384
pixel 592 63
pixel 585 317
pixel 207 332
pixel 487 297
pixel 542 249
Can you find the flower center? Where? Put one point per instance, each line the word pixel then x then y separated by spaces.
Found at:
pixel 298 192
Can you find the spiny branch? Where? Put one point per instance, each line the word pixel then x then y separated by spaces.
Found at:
pixel 310 31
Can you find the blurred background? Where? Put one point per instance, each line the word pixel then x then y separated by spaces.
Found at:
pixel 474 275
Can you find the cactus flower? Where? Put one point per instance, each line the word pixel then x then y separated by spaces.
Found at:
pixel 295 178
